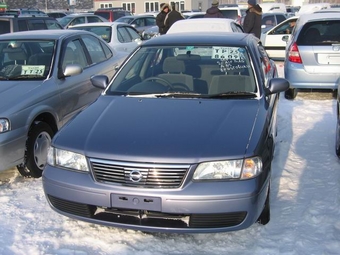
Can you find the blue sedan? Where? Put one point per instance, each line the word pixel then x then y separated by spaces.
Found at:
pixel 181 140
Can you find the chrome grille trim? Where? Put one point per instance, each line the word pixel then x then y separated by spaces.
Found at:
pixel 150 175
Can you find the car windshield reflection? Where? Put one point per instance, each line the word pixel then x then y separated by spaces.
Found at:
pixel 186 71
pixel 27 60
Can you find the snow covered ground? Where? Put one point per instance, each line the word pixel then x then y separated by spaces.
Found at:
pixel 305 203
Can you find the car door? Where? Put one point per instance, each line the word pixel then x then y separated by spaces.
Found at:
pixel 275 39
pixel 77 91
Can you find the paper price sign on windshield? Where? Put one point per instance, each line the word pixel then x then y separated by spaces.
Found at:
pixel 33 70
pixel 232 53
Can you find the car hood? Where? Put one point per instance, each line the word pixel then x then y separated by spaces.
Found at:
pixel 16 91
pixel 161 129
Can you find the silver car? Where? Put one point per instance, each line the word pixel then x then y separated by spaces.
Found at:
pixel 313 53
pixel 120 36
pixel 45 81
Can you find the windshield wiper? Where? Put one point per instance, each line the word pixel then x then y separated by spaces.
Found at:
pixel 233 94
pixel 165 94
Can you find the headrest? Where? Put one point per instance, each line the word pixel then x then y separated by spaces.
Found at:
pixel 15 53
pixel 190 57
pixel 173 65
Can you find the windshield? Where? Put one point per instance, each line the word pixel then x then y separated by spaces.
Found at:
pixel 192 71
pixel 25 59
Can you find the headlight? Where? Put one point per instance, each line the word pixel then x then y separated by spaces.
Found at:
pixel 229 169
pixel 4 125
pixel 67 159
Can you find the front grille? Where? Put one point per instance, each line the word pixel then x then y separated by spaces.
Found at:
pixel 139 175
pixel 149 218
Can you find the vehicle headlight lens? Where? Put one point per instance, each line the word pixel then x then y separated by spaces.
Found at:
pixel 4 125
pixel 229 169
pixel 67 159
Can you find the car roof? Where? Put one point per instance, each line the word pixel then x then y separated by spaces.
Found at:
pixel 40 34
pixel 100 24
pixel 304 18
pixel 201 25
pixel 80 14
pixel 207 38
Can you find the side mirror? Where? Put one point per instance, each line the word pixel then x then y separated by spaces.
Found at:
pixel 285 38
pixel 277 85
pixel 100 81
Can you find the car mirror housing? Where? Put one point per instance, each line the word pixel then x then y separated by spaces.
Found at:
pixel 100 81
pixel 285 38
pixel 277 85
pixel 71 70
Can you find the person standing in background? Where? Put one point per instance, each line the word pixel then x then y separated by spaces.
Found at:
pixel 213 11
pixel 161 17
pixel 253 20
pixel 172 16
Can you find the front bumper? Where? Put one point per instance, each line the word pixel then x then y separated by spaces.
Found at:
pixel 12 148
pixel 195 207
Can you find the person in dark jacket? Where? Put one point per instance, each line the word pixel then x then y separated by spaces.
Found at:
pixel 213 11
pixel 172 16
pixel 253 20
pixel 161 17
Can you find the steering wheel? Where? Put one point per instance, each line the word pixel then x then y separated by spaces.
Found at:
pixel 160 80
pixel 181 86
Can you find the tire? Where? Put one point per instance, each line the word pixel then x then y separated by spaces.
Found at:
pixel 337 139
pixel 37 144
pixel 290 94
pixel 264 217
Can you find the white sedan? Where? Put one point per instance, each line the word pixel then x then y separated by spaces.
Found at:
pixel 275 39
pixel 201 25
pixel 120 36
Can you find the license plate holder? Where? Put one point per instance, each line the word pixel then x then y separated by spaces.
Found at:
pixel 136 202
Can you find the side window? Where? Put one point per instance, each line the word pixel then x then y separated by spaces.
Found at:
pixel 124 35
pixel 236 28
pixel 52 24
pixel 5 27
pixel 150 22
pixel 93 19
pixel 22 25
pixel 76 21
pixel 280 18
pixel 36 24
pixel 134 35
pixel 74 54
pixel 107 51
pixel 268 20
pixel 94 48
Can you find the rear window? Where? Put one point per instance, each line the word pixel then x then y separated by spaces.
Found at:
pixel 326 32
pixel 230 14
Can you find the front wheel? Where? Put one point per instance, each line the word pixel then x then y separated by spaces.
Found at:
pixel 37 144
pixel 264 218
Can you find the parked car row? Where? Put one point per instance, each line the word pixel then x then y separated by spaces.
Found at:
pixel 131 142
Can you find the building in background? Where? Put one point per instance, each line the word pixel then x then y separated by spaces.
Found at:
pixel 139 6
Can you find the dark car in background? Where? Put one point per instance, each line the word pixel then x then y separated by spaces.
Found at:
pixel 44 82
pixel 10 24
pixel 181 140
pixel 112 14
